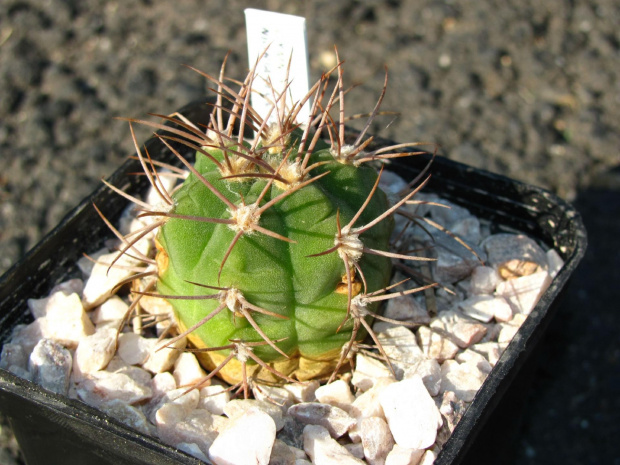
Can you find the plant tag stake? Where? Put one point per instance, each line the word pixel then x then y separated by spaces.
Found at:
pixel 282 38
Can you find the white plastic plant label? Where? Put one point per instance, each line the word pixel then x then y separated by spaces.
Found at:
pixel 279 38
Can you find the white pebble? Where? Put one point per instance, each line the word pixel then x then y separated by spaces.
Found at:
pixel 470 356
pixel 187 370
pixel 133 348
pixel 248 439
pixel 510 328
pixel 451 267
pixel 380 326
pixel 303 392
pixel 336 393
pixel 483 280
pixel 281 454
pixel 447 214
pixel 166 183
pixel 406 308
pixel 367 405
pixel 175 427
pixel 94 352
pixel 435 345
pixel 390 182
pixel 411 413
pixel 50 366
pixel 514 254
pixel 103 280
pixel 491 351
pixel 128 415
pixel 156 305
pixel 239 407
pixel 27 336
pixel 407 358
pixel 401 348
pixel 169 414
pixel 479 307
pixel 214 399
pixel 86 264
pixel 67 323
pixel 273 394
pixel 38 307
pixel 71 286
pixel 502 311
pixel 485 307
pixel 113 309
pixel 368 369
pixel 400 345
pixel 162 358
pixel 334 419
pixel 162 383
pixel 220 423
pixel 428 458
pixel 404 456
pixel 136 373
pixel 103 386
pixel 187 400
pixel 116 364
pixel 464 379
pixel 324 450
pixel 554 262
pixel 144 243
pixel 467 229
pixel 430 371
pixel 377 439
pixel 13 355
pixel 461 330
pixel 523 293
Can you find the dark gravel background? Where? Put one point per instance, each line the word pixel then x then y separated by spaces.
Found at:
pixel 527 89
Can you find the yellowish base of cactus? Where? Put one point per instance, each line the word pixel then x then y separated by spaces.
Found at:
pixel 297 367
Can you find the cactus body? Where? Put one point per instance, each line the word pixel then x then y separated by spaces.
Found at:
pixel 274 252
pixel 310 292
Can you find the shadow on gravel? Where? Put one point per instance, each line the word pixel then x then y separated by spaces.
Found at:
pixel 571 413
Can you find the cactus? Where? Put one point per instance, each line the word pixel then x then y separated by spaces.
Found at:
pixel 274 252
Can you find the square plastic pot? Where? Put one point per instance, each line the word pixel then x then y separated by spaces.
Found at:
pixel 53 429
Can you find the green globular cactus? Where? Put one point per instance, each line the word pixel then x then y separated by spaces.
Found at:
pixel 274 252
pixel 303 298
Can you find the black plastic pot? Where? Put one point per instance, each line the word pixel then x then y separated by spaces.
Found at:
pixel 53 429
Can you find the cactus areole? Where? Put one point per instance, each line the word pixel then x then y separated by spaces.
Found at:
pixel 274 252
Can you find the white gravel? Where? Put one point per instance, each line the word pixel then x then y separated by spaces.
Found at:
pixel 376 418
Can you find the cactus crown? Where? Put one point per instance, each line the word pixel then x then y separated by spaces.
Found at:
pixel 275 251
